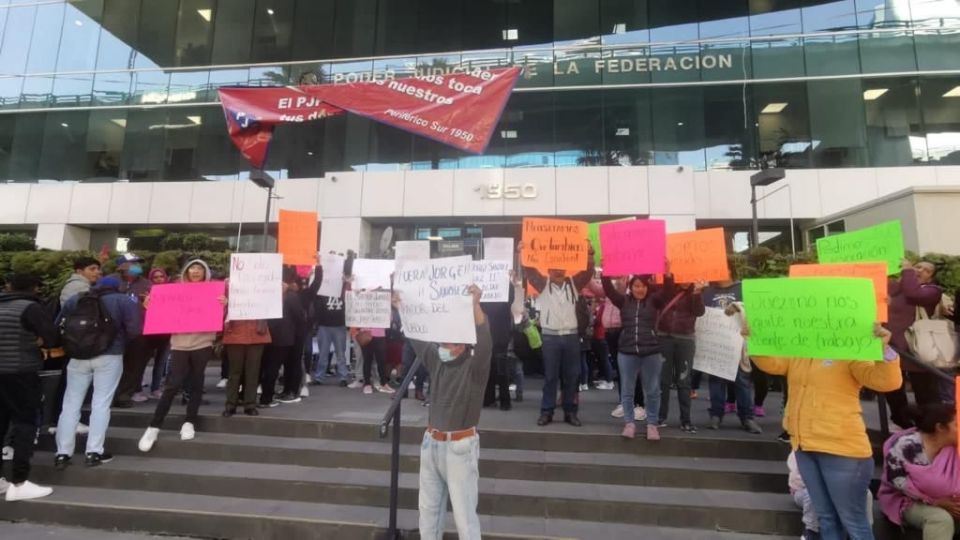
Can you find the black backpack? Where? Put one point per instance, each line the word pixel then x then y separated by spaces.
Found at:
pixel 583 316
pixel 88 330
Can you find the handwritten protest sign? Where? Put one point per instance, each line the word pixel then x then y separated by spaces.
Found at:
pixel 593 234
pixel 332 284
pixel 883 242
pixel 412 250
pixel 877 272
pixel 297 237
pixel 372 273
pixel 719 344
pixel 256 286
pixel 554 244
pixel 698 255
pixel 498 249
pixel 633 247
pixel 434 301
pixel 493 278
pixel 179 308
pixel 830 318
pixel 368 309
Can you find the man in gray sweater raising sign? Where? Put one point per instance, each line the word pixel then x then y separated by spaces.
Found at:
pixel 451 446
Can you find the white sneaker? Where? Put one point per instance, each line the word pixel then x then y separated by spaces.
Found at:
pixel 618 412
pixel 307 379
pixel 604 385
pixel 386 389
pixel 304 391
pixel 354 385
pixel 222 383
pixel 82 429
pixel 513 388
pixel 412 386
pixel 148 439
pixel 259 389
pixel 8 453
pixel 639 414
pixel 4 485
pixel 26 491
pixel 187 433
pixel 52 430
pixel 139 397
pixel 584 387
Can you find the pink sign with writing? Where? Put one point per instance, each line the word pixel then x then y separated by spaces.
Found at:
pixel 180 308
pixel 633 247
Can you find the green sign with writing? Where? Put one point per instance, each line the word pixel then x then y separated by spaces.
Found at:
pixel 829 318
pixel 880 243
pixel 593 233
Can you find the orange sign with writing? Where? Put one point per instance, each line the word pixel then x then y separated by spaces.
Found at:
pixel 698 255
pixel 298 237
pixel 555 244
pixel 877 272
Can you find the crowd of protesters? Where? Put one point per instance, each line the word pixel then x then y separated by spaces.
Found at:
pixel 582 331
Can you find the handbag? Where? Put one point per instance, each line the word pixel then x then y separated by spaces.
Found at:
pixel 933 341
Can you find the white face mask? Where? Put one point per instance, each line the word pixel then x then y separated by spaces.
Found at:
pixel 445 354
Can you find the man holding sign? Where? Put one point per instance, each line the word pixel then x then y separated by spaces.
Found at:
pixel 450 450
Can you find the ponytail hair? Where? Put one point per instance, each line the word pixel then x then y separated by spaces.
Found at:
pixel 928 417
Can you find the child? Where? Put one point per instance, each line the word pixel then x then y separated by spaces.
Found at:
pixel 798 490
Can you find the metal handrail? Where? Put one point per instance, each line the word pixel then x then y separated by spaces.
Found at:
pixel 392 416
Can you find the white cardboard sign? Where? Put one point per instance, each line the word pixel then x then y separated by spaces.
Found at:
pixel 368 309
pixel 332 284
pixel 369 274
pixel 256 286
pixel 719 344
pixel 434 302
pixel 493 277
pixel 412 250
pixel 498 249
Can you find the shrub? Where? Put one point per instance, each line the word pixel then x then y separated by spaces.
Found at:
pixel 16 242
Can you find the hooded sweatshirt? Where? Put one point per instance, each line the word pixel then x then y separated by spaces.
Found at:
pixel 75 285
pixel 195 340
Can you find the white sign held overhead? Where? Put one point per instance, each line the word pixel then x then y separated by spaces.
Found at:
pixel 498 249
pixel 719 344
pixel 368 309
pixel 255 286
pixel 435 304
pixel 332 284
pixel 493 278
pixel 369 274
pixel 412 250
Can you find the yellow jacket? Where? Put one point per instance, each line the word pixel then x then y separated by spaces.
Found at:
pixel 823 410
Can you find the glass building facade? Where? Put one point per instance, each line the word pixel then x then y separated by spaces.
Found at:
pixel 94 90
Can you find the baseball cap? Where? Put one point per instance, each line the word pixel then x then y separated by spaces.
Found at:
pixel 128 258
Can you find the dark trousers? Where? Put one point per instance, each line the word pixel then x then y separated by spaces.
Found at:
pixel 245 368
pixel 273 358
pixel 561 365
pixel 678 361
pixel 293 368
pixel 761 385
pixel 375 351
pixel 161 348
pixel 501 367
pixel 53 401
pixel 926 390
pixel 20 401
pixel 409 355
pixel 601 352
pixel 136 356
pixel 186 373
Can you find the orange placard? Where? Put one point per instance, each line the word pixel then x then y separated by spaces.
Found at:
pixel 698 255
pixel 554 244
pixel 298 237
pixel 874 271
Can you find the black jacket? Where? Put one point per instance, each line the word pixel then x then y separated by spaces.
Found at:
pixel 639 335
pixel 293 326
pixel 22 321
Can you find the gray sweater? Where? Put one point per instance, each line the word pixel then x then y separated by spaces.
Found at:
pixel 457 386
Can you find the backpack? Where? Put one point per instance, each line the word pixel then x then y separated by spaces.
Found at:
pixel 88 330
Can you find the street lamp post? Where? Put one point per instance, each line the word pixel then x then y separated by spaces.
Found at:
pixel 263 179
pixel 763 178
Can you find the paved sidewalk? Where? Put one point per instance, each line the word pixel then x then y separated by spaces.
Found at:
pixel 30 531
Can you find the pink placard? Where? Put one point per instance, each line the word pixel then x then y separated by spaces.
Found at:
pixel 180 308
pixel 633 247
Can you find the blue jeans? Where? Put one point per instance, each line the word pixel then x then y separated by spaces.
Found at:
pixel 743 389
pixel 337 335
pixel 649 368
pixel 837 486
pixel 449 469
pixel 561 363
pixel 104 372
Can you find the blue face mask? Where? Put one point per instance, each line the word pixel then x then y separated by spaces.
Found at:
pixel 135 270
pixel 445 354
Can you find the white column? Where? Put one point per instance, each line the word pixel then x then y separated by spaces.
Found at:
pixel 342 234
pixel 60 236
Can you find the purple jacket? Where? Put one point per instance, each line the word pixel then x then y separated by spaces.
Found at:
pixel 905 295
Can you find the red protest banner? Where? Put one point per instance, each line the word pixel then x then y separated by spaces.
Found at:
pixel 458 109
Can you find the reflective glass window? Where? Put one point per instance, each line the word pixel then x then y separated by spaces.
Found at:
pixel 729 133
pixel 627 131
pixel 831 54
pixel 355 28
pixel 837 123
pixel 156 36
pixel 72 90
pixel 217 158
pixel 888 50
pixel 678 130
pixel 24 156
pixel 120 21
pixel 624 21
pixel 533 21
pixel 189 86
pixel 390 148
pixel 937 24
pixel 578 131
pixel 80 36
pixel 16 39
pixel 194 32
pixel 233 28
pixel 64 152
pixel 940 102
pixel 304 146
pixel 42 57
pixel 894 129
pixel 439 25
pixel 150 87
pixel 776 56
pixel 313 30
pixel 180 145
pixel 272 30
pixel 783 124
pixel 37 91
pixel 527 130
pixel 105 134
pixel 485 25
pixel 112 88
pixel 576 20
pixel 143 144
pixel 10 88
pixel 396 21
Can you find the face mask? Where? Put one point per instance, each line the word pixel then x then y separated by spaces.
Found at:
pixel 135 270
pixel 445 354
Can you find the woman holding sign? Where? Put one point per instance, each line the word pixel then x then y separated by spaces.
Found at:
pixel 639 347
pixel 827 432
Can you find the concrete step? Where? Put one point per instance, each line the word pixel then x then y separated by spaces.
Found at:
pixel 762 513
pixel 675 443
pixel 204 516
pixel 626 469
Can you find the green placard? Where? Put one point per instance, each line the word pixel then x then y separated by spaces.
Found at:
pixel 593 233
pixel 829 318
pixel 883 242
